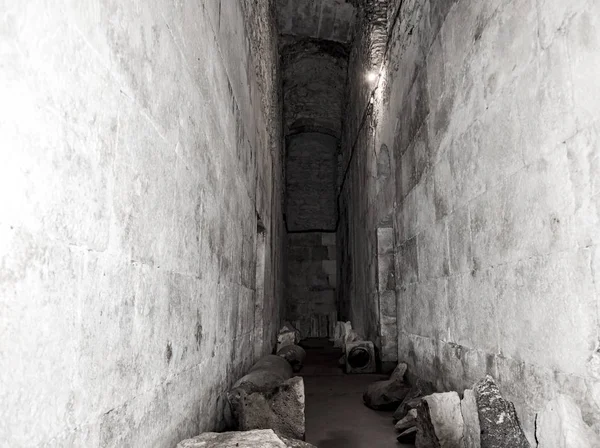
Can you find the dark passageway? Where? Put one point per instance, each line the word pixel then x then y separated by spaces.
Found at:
pixel 187 187
pixel 335 414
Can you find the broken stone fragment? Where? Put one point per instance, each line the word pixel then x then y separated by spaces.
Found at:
pixel 439 421
pixel 387 394
pixel 399 371
pixel 498 419
pixel 265 438
pixel 412 399
pixel 287 326
pixel 285 338
pixel 409 436
pixel 294 354
pixel 560 425
pixel 408 421
pixel 405 407
pixel 269 372
pixel 280 409
pixel 468 408
pixel 274 363
pixel 340 332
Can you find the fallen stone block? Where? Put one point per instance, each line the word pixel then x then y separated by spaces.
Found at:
pixel 388 394
pixel 405 407
pixel 288 326
pixel 498 419
pixel 285 338
pixel 412 399
pixel 408 421
pixel 275 364
pixel 264 438
pixel 294 355
pixel 280 408
pixel 560 425
pixel 339 334
pixel 409 436
pixel 439 421
pixel 468 409
pixel 268 372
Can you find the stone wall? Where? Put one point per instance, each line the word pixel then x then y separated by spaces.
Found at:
pixel 140 142
pixel 311 283
pixel 314 75
pixel 489 110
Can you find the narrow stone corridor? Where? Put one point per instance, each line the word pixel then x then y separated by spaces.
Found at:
pixel 193 190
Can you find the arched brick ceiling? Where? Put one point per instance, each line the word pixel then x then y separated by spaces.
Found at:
pixel 314 79
pixel 318 19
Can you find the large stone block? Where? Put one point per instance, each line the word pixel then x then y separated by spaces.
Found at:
pixel 280 408
pixel 470 415
pixel 264 438
pixel 560 425
pixel 498 419
pixel 439 421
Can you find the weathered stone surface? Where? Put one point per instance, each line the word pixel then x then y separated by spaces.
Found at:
pixel 265 438
pixel 311 278
pixel 273 363
pixel 266 374
pixel 387 394
pixel 408 436
pixel 560 425
pixel 294 355
pixel 440 422
pixel 468 409
pixel 413 398
pixel 399 371
pixel 295 443
pixel 408 421
pixel 488 109
pixel 285 338
pixel 281 409
pixel 498 419
pixel 141 142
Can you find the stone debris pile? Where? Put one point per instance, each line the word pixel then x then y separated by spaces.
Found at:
pixel 388 394
pixel 482 418
pixel 266 404
pixel 264 438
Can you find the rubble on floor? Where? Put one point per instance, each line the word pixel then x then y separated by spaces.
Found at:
pixel 413 398
pixel 408 436
pixel 439 421
pixel 388 394
pixel 343 335
pixel 481 419
pixel 408 421
pixel 269 398
pixel 288 335
pixel 294 355
pixel 264 438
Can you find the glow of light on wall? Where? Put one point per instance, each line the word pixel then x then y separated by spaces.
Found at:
pixel 372 76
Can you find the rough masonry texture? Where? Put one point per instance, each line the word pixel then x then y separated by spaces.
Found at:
pixel 314 83
pixel 311 283
pixel 141 147
pixel 488 112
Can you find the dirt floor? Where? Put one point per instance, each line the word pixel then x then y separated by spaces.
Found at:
pixel 335 414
